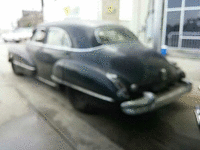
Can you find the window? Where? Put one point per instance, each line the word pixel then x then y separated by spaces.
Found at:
pixel 183 24
pixel 66 40
pixel 172 32
pixel 191 23
pixel 189 3
pixel 39 36
pixel 174 3
pixel 58 37
pixel 113 35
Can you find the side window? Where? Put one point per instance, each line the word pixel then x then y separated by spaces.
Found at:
pixel 39 36
pixel 66 40
pixel 54 37
pixel 58 37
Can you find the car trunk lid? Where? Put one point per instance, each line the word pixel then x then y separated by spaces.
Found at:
pixel 142 66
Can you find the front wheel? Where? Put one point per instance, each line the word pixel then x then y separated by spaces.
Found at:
pixel 81 101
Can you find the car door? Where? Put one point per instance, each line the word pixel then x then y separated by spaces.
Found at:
pixel 57 47
pixel 35 48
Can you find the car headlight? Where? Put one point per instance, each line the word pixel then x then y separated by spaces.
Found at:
pixel 122 90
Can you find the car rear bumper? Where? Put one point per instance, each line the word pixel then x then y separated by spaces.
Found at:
pixel 151 101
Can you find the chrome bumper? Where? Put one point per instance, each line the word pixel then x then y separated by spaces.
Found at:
pixel 150 101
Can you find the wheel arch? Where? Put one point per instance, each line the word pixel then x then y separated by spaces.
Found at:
pixel 22 59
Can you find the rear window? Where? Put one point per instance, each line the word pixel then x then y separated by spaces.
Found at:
pixel 108 35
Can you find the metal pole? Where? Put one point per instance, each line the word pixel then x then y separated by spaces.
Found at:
pixel 42 3
pixel 158 6
pixel 164 27
pixel 181 24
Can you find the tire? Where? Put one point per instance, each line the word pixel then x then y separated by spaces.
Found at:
pixel 15 70
pixel 81 101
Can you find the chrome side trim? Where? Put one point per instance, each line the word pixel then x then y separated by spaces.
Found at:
pixel 34 43
pixel 86 91
pixel 24 65
pixel 46 81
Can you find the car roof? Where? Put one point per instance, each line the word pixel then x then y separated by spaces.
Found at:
pixel 81 32
pixel 78 23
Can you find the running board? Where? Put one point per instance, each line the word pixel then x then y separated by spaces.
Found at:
pixel 46 81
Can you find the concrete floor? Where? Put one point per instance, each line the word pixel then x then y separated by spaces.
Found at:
pixel 173 127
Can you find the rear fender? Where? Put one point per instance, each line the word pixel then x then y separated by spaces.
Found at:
pixel 85 78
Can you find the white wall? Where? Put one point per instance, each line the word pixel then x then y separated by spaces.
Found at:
pixel 88 9
pixel 132 13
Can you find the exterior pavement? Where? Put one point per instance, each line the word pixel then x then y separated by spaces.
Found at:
pixel 23 127
pixel 31 132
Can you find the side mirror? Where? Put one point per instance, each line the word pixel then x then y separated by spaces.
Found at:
pixel 38 35
pixel 41 36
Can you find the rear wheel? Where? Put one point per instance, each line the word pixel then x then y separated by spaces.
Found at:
pixel 16 69
pixel 81 101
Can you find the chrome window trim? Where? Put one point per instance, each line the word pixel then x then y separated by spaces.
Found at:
pixel 36 43
pixel 24 65
pixel 65 48
pixel 96 35
pixel 81 89
pixel 60 29
pixel 70 49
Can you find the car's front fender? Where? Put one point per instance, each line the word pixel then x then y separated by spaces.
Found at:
pixel 19 56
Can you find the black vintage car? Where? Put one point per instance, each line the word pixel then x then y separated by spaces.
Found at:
pixel 102 64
